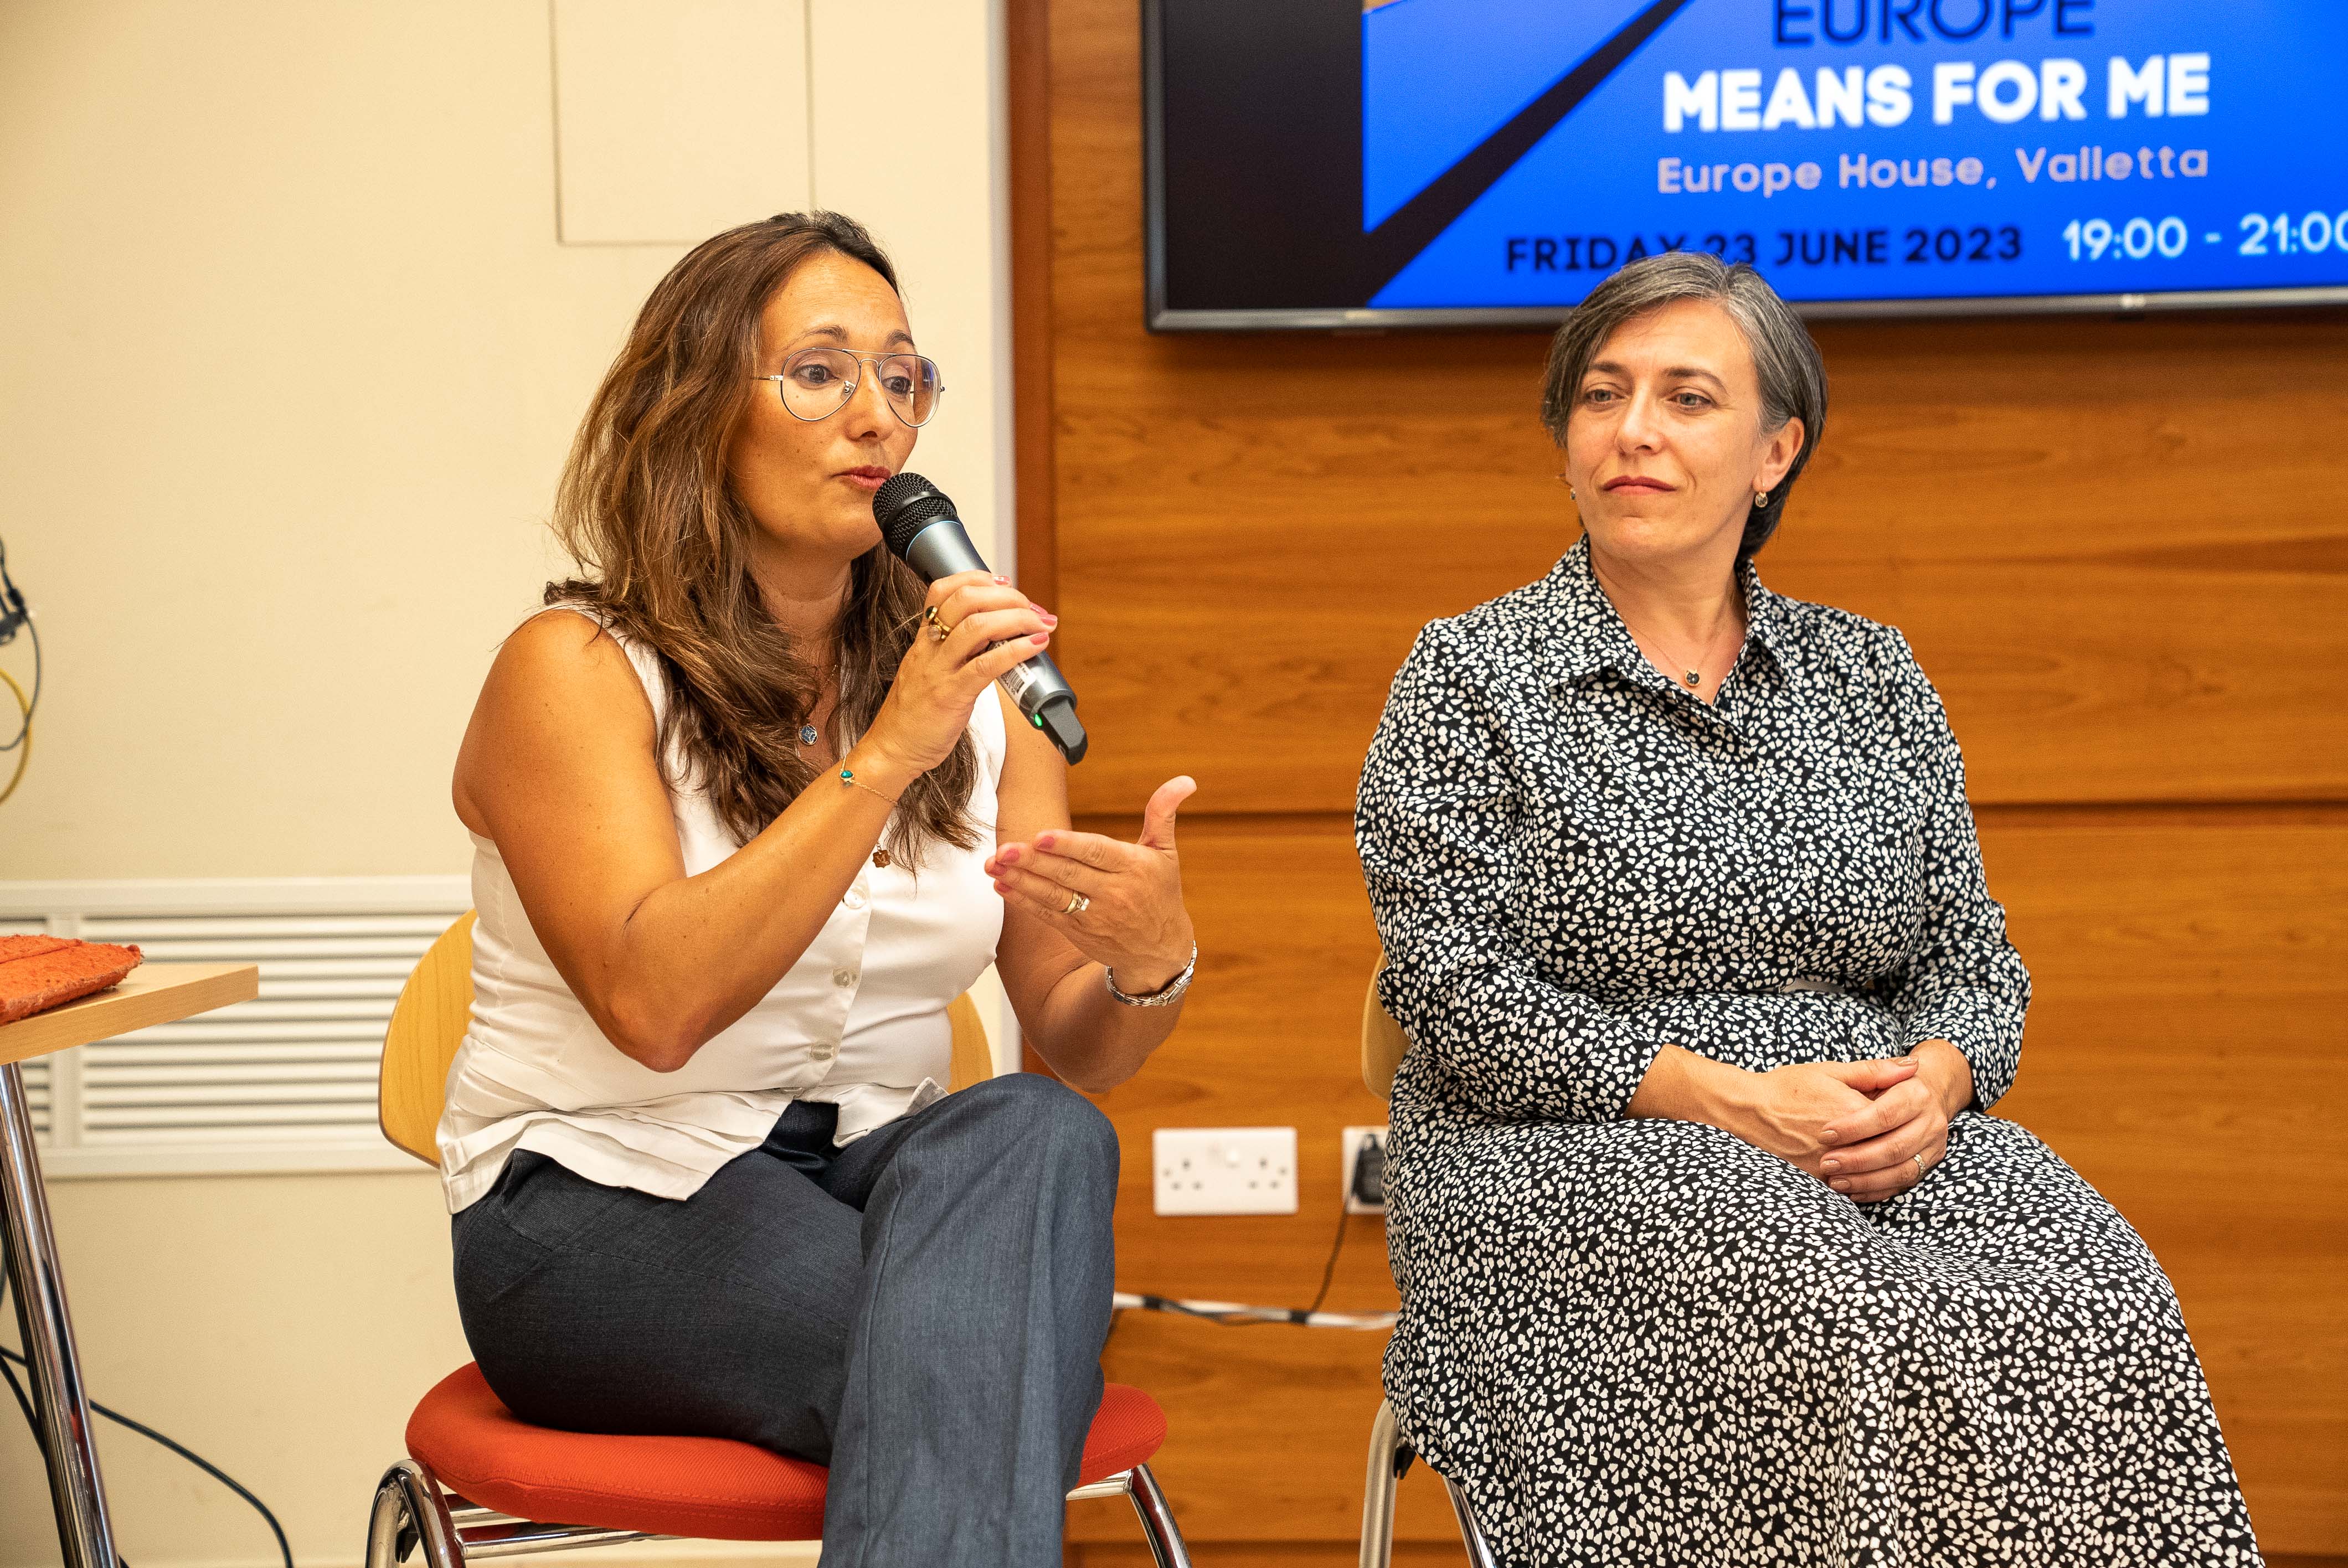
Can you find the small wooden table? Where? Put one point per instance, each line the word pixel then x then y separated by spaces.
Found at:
pixel 152 994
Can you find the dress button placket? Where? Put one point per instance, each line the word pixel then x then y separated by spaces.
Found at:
pixel 845 976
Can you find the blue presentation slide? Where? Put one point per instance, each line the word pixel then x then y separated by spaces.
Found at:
pixel 1864 149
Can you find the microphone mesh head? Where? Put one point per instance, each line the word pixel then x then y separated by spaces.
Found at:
pixel 905 505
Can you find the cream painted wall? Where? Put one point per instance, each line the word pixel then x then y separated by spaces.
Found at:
pixel 293 357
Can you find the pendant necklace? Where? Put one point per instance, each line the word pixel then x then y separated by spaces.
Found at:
pixel 808 734
pixel 1694 678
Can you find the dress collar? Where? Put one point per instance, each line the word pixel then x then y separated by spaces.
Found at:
pixel 1592 636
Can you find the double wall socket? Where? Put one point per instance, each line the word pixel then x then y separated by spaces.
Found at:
pixel 1225 1170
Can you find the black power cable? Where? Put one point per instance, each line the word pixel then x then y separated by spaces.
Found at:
pixel 1329 1269
pixel 284 1548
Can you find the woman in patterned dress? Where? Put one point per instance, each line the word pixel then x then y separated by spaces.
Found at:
pixel 1710 1250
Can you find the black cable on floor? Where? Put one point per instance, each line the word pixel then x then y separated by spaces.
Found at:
pixel 284 1548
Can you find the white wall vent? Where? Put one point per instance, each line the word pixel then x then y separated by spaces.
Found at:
pixel 283 1082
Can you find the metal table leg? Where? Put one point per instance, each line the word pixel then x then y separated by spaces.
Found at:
pixel 75 1488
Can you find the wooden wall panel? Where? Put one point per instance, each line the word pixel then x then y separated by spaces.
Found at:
pixel 2119 547
pixel 1241 588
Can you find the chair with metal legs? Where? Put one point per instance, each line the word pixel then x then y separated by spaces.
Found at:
pixel 1383 1045
pixel 1390 1459
pixel 480 1482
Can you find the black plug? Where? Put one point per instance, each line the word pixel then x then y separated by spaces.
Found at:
pixel 1368 1183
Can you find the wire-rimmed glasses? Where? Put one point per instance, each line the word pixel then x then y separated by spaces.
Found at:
pixel 817 382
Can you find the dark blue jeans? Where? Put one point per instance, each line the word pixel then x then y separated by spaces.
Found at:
pixel 922 1310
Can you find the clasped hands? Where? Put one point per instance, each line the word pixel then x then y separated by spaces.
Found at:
pixel 1857 1126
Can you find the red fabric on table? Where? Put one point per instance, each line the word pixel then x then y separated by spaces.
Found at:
pixel 710 1489
pixel 50 976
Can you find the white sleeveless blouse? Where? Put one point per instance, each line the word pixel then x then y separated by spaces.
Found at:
pixel 859 1021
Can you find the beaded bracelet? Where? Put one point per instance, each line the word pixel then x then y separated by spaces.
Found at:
pixel 847 780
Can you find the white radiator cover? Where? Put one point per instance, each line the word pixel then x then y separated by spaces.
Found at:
pixel 285 1082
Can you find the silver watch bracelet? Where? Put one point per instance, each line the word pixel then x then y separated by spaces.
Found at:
pixel 1165 995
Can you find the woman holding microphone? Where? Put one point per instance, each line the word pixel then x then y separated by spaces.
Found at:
pixel 748 816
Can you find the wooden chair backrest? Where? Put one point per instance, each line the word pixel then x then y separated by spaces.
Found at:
pixel 1383 1041
pixel 429 1022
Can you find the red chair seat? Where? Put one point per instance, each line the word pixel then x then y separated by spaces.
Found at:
pixel 712 1488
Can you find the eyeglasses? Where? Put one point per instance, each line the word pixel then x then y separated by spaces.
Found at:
pixel 817 382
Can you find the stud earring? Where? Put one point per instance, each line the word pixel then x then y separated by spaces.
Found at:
pixel 1761 498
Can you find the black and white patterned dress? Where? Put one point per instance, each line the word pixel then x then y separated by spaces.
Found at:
pixel 1647 1341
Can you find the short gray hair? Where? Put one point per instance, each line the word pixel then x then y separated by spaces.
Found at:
pixel 1793 376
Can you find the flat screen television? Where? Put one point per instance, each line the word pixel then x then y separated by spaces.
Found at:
pixel 1374 163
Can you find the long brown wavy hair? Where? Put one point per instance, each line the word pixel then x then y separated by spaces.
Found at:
pixel 663 547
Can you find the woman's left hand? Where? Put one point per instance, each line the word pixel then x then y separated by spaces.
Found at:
pixel 1906 1132
pixel 1132 918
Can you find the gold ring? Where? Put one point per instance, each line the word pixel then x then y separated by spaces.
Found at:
pixel 1078 904
pixel 1920 1167
pixel 939 629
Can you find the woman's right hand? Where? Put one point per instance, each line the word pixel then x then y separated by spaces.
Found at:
pixel 1803 1112
pixel 939 682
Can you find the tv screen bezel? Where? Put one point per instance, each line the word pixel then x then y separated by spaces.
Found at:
pixel 1160 317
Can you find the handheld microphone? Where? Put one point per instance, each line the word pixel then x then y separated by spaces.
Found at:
pixel 921 530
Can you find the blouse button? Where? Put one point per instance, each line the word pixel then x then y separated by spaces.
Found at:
pixel 855 899
pixel 843 978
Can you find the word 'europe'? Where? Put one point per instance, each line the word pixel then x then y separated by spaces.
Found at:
pixel 1801 22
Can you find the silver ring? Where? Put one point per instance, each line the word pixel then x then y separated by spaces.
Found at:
pixel 1077 904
